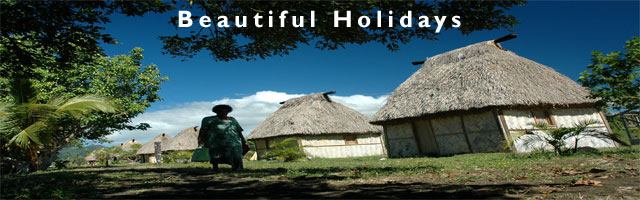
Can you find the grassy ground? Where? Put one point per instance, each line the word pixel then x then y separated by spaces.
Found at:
pixel 610 173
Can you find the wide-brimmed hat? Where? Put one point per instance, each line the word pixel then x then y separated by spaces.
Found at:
pixel 219 107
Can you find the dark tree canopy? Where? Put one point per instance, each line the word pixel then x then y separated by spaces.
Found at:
pixel 250 42
pixel 32 29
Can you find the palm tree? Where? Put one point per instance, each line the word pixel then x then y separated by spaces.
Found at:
pixel 557 137
pixel 29 123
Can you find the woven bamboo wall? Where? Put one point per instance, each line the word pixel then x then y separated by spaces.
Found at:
pixel 518 121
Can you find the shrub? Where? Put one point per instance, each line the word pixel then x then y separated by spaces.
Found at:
pixel 61 164
pixel 556 137
pixel 177 156
pixel 287 150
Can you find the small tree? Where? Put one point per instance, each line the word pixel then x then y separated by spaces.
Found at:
pixel 30 125
pixel 614 79
pixel 286 150
pixel 557 137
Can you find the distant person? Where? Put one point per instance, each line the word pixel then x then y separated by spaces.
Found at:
pixel 223 136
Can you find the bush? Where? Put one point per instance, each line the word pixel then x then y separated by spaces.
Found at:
pixel 286 150
pixel 61 164
pixel 177 156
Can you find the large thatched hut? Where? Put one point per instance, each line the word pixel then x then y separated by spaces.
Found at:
pixel 324 128
pixel 187 140
pixel 473 98
pixel 148 149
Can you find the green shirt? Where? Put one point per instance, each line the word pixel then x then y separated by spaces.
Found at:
pixel 222 137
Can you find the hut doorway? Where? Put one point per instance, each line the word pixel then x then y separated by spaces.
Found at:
pixel 425 137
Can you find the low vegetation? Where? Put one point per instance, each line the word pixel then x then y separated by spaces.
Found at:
pixel 286 150
pixel 611 173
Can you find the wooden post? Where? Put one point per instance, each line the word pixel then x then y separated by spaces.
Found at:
pixel 505 38
pixel 158 152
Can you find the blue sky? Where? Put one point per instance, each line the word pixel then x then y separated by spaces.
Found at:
pixel 561 35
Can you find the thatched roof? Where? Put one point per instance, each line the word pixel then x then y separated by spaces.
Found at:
pixel 313 114
pixel 149 148
pixel 127 145
pixel 477 76
pixel 187 139
pixel 92 156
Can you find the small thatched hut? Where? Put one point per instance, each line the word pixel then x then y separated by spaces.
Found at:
pixel 92 158
pixel 148 149
pixel 187 139
pixel 324 128
pixel 472 99
pixel 127 146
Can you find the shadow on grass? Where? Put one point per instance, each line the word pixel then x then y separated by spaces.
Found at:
pixel 163 183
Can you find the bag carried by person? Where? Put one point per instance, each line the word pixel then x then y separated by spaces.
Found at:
pixel 201 154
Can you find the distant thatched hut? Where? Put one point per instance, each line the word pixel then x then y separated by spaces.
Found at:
pixel 148 149
pixel 472 99
pixel 127 146
pixel 187 139
pixel 92 158
pixel 325 128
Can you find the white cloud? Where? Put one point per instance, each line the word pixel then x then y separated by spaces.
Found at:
pixel 249 110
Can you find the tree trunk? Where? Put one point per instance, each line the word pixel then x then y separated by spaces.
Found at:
pixel 47 155
pixel 45 159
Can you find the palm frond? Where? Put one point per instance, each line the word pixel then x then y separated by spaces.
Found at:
pixel 28 136
pixel 5 117
pixel 5 108
pixel 84 104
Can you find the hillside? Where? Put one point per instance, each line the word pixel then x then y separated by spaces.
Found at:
pixel 70 152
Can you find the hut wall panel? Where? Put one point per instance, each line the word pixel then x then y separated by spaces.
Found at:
pixel 518 119
pixel 401 140
pixel 400 131
pixel 452 144
pixel 261 143
pixel 322 140
pixel 486 142
pixel 570 117
pixel 344 151
pixel 590 141
pixel 480 122
pixel 425 137
pixel 368 139
pixel 403 148
pixel 447 125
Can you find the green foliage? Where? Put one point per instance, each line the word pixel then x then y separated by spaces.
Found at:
pixel 250 42
pixel 619 132
pixel 30 127
pixel 58 54
pixel 286 150
pixel 121 79
pixel 112 155
pixel 177 156
pixel 614 79
pixel 556 137
pixel 33 34
pixel 61 164
pixel 252 145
